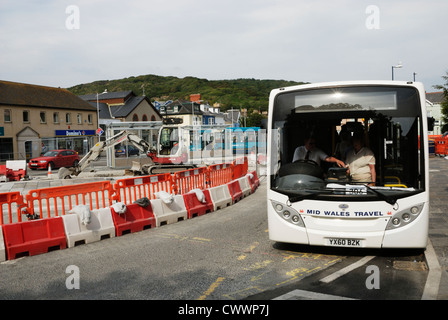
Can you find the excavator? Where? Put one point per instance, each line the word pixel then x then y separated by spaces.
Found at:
pixel 137 169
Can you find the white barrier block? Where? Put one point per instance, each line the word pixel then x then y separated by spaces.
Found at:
pixel 101 226
pixel 221 197
pixel 167 213
pixel 245 186
pixel 2 246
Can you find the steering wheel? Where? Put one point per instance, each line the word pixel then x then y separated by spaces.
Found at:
pixel 307 161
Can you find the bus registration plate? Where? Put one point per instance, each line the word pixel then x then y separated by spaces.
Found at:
pixel 342 242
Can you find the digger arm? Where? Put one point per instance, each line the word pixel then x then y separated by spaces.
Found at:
pixel 96 150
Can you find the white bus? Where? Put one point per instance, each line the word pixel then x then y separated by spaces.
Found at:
pixel 323 204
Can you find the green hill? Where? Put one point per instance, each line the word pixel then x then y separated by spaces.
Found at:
pixel 239 93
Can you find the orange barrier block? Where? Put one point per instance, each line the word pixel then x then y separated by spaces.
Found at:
pixel 130 189
pixel 136 218
pixel 235 191
pixel 195 207
pixel 34 237
pixel 59 200
pixel 253 179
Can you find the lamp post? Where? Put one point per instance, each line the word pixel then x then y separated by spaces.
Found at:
pixel 399 65
pixel 98 109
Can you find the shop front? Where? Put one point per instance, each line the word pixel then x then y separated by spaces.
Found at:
pixel 79 140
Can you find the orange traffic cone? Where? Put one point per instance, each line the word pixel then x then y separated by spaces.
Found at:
pixel 49 170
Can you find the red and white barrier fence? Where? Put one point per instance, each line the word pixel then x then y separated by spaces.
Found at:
pixel 84 213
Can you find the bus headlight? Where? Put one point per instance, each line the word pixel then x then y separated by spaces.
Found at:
pixel 404 217
pixel 288 214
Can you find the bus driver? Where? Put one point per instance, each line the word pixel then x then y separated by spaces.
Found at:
pixel 309 151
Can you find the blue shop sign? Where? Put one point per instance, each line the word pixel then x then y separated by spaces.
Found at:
pixel 74 133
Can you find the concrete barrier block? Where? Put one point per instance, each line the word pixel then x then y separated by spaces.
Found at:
pixel 101 226
pixel 221 197
pixel 167 213
pixel 245 187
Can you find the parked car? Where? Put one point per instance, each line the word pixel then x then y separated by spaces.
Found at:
pixel 121 151
pixel 55 158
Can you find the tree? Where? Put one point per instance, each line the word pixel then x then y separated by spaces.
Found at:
pixel 444 105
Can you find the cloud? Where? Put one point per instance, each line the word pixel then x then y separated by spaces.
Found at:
pixel 285 39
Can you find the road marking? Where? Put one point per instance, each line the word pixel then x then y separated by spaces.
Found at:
pixel 212 288
pixel 347 269
pixel 309 295
pixel 435 272
pixel 249 250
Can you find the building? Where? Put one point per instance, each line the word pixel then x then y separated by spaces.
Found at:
pixel 38 118
pixel 122 106
pixel 433 108
pixel 125 106
pixel 197 112
pixel 182 112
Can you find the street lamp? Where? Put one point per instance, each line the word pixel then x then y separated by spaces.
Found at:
pixel 98 109
pixel 399 65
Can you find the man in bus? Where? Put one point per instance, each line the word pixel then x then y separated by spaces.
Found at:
pixel 309 151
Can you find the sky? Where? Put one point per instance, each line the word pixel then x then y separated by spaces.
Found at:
pixel 62 43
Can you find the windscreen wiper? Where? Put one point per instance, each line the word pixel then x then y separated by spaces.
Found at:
pixel 308 196
pixel 382 196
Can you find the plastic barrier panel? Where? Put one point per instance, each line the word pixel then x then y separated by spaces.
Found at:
pixel 187 180
pixel 441 146
pixel 253 179
pixel 34 237
pixel 59 200
pixel 240 167
pixel 245 187
pixel 11 203
pixel 101 226
pixel 220 196
pixel 235 191
pixel 195 207
pixel 131 189
pixel 220 174
pixel 136 218
pixel 2 247
pixel 167 213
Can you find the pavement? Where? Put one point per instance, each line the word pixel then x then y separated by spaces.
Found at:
pixel 436 253
pixel 438 221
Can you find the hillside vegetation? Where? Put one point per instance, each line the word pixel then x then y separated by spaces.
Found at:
pixel 251 94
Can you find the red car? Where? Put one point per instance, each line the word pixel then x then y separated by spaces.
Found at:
pixel 55 158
